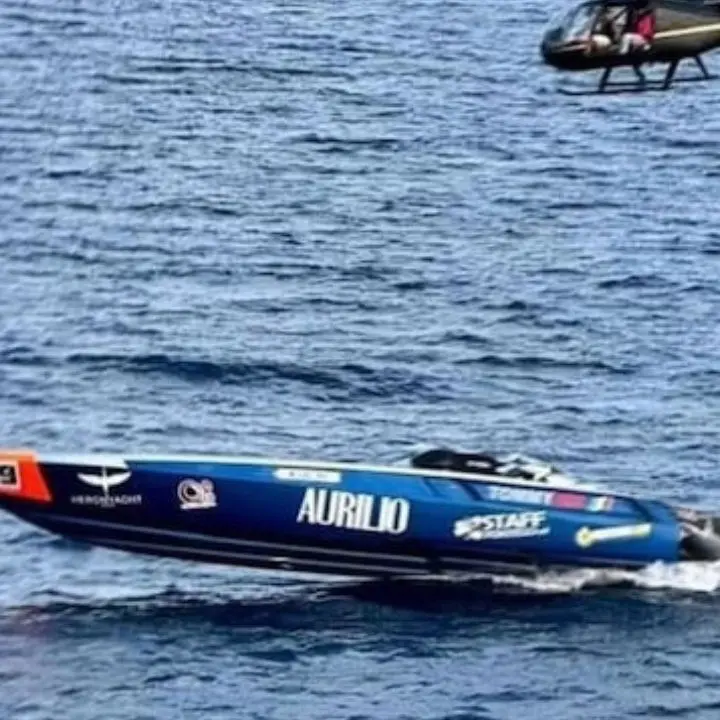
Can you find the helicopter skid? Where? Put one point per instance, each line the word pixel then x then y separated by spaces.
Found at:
pixel 606 87
pixel 620 88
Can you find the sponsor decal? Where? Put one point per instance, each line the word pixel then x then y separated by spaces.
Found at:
pixel 106 481
pixel 505 493
pixel 196 494
pixel 308 475
pixel 587 537
pixel 9 475
pixel 569 500
pixel 354 511
pixel 563 500
pixel 502 526
pixel 600 504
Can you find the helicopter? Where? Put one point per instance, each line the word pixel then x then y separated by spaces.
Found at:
pixel 591 38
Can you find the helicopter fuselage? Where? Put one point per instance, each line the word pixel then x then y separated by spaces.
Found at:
pixel 684 29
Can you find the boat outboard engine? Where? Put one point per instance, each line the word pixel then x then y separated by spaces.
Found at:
pixel 701 535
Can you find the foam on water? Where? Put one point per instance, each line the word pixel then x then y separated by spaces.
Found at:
pixel 695 577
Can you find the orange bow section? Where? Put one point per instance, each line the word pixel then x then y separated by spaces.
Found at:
pixel 20 476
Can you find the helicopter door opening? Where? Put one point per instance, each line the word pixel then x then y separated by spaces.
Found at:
pixel 595 20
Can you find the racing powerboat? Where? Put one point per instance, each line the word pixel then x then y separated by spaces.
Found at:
pixel 444 512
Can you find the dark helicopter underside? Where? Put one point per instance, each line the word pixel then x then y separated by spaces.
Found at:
pixel 576 56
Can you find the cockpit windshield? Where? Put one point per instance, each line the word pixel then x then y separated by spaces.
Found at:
pixel 592 17
pixel 579 23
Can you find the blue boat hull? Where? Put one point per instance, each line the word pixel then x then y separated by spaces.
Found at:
pixel 341 519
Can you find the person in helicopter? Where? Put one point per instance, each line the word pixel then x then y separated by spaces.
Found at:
pixel 640 28
pixel 604 33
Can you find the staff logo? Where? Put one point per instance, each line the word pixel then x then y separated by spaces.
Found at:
pixel 503 526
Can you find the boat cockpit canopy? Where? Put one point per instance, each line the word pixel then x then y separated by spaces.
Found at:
pixel 476 463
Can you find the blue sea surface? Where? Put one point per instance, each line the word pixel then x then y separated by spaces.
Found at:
pixel 339 230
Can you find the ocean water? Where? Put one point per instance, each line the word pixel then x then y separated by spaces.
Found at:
pixel 341 230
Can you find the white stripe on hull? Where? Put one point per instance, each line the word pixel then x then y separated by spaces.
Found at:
pixel 271 464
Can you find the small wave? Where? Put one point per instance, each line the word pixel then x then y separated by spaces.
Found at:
pixel 304 604
pixel 712 247
pixel 537 361
pixel 464 337
pixel 516 305
pixel 348 380
pixel 330 143
pixel 634 281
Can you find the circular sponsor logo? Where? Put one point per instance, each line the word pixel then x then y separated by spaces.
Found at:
pixel 584 537
pixel 196 494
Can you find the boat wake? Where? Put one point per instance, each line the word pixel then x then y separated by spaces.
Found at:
pixel 241 601
pixel 692 577
pixel 352 603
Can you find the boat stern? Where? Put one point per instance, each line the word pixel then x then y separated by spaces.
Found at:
pixel 700 535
